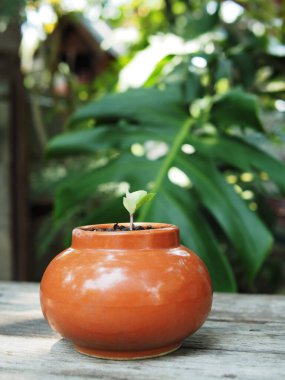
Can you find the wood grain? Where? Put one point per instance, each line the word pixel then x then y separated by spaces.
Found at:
pixel 244 338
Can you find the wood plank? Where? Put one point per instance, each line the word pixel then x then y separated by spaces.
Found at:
pixel 246 341
pixel 239 337
pixel 51 358
pixel 248 307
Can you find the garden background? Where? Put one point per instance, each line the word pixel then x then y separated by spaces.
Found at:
pixel 182 98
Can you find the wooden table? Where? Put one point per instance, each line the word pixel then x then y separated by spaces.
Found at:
pixel 244 338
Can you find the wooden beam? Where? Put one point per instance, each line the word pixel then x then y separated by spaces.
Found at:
pixel 19 180
pixel 18 137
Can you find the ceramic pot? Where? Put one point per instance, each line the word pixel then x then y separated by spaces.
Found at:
pixel 126 295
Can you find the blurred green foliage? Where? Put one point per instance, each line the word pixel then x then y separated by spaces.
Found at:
pixel 194 130
pixel 211 105
pixel 10 9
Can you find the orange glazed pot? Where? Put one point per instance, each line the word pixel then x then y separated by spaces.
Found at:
pixel 126 294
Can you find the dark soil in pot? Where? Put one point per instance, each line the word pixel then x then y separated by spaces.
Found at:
pixel 117 227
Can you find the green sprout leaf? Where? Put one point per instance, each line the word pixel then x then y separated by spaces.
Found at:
pixel 133 201
pixel 145 199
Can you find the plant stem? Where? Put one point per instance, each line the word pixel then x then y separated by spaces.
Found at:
pixel 180 137
pixel 131 222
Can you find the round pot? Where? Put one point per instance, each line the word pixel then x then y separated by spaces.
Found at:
pixel 126 294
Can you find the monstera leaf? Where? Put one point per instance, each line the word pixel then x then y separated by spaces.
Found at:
pixel 236 108
pixel 137 116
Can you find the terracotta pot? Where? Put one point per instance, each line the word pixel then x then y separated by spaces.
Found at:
pixel 126 295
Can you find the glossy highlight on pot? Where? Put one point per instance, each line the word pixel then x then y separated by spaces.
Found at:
pixel 126 294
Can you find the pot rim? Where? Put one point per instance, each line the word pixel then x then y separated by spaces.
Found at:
pixel 156 227
pixel 163 235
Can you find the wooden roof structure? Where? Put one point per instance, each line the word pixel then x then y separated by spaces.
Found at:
pixel 79 43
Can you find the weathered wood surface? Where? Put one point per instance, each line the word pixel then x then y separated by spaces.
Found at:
pixel 244 338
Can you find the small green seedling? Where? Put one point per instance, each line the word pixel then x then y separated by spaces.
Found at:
pixel 133 201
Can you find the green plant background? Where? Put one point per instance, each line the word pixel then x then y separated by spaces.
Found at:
pixel 224 110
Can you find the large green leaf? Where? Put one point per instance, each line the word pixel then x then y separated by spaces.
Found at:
pixel 135 170
pixel 240 154
pixel 193 87
pixel 104 137
pixel 202 22
pixel 175 205
pixel 239 223
pixel 145 105
pixel 223 69
pixel 110 211
pixel 245 67
pixel 236 108
pixel 246 232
